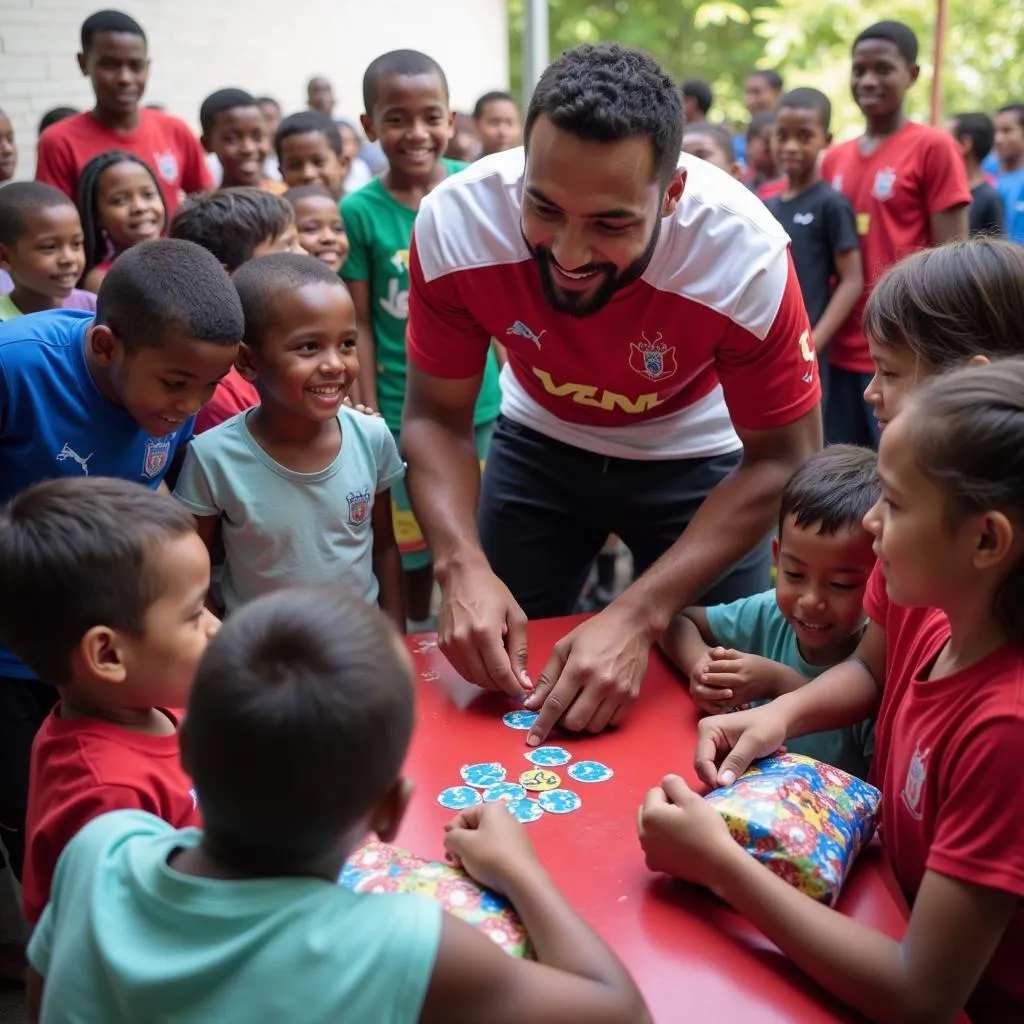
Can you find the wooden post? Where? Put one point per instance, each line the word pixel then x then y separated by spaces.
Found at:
pixel 940 38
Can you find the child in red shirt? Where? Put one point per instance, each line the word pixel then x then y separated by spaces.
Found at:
pixel 104 593
pixel 941 661
pixel 909 190
pixel 114 58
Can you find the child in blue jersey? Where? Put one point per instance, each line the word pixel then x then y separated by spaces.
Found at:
pixel 298 724
pixel 762 646
pixel 113 395
pixel 298 487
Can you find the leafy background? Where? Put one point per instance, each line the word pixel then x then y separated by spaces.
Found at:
pixel 808 41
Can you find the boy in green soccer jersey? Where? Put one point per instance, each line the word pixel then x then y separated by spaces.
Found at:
pixel 406 98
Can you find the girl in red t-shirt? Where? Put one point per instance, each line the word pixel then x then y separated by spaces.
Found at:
pixel 941 663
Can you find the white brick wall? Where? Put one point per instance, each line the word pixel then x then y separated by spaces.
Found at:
pixel 265 46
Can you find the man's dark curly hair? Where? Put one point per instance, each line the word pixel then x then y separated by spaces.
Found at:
pixel 608 93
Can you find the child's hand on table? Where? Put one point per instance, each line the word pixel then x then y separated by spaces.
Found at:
pixel 682 835
pixel 725 678
pixel 489 844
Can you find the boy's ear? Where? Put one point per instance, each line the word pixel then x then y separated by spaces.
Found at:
pixel 367 123
pixel 775 550
pixel 828 139
pixel 99 656
pixel 5 260
pixel 387 816
pixel 915 71
pixel 451 123
pixel 244 362
pixel 83 64
pixel 204 141
pixel 105 344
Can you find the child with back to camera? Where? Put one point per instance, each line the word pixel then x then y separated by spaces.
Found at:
pixel 121 205
pixel 104 590
pixel 245 918
pixel 940 663
pixel 759 647
pixel 298 488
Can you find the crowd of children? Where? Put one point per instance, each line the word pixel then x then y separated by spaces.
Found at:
pixel 215 379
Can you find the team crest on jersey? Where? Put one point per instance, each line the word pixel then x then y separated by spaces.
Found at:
pixel 158 451
pixel 167 166
pixel 358 506
pixel 652 359
pixel 917 773
pixel 885 179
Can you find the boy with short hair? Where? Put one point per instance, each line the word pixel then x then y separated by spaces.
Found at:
pixel 974 135
pixel 697 100
pixel 1009 147
pixel 235 132
pixel 297 488
pixel 818 219
pixel 103 597
pixel 236 225
pixel 111 396
pixel 115 59
pixel 310 152
pixel 762 91
pixel 763 177
pixel 713 143
pixel 760 647
pixel 405 94
pixel 41 248
pixel 8 149
pixel 323 682
pixel 498 122
pixel 908 189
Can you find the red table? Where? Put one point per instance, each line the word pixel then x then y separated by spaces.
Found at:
pixel 693 958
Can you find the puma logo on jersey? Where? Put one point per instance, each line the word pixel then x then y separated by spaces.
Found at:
pixel 67 452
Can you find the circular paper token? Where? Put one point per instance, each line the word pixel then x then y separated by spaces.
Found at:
pixel 483 775
pixel 548 757
pixel 519 719
pixel 525 810
pixel 455 798
pixel 590 771
pixel 504 791
pixel 560 801
pixel 539 780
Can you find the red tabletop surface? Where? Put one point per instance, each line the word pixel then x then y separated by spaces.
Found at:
pixel 693 957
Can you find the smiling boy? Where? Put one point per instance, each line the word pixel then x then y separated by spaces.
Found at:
pixel 114 58
pixel 235 132
pixel 111 396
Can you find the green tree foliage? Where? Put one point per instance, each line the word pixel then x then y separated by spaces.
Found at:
pixel 808 41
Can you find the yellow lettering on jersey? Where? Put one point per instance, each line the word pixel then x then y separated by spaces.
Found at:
pixel 595 398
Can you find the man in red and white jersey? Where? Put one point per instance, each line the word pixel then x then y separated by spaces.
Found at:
pixel 661 384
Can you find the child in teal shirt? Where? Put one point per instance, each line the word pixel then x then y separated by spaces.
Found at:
pixel 762 646
pixel 298 723
pixel 406 98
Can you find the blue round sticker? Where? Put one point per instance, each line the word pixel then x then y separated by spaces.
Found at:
pixel 503 791
pixel 525 810
pixel 560 801
pixel 519 719
pixel 483 775
pixel 590 771
pixel 548 757
pixel 455 798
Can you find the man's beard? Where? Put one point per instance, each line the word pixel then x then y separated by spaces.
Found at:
pixel 587 303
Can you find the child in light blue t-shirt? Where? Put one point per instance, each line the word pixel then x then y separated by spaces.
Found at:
pixel 297 487
pixel 762 646
pixel 298 724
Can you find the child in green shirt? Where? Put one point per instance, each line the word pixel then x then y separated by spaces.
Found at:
pixel 405 94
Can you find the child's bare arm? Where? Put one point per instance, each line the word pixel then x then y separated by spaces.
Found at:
pixel 577 979
pixel 387 561
pixel 850 274
pixel 954 929
pixel 33 995
pixel 208 528
pixel 365 390
pixel 688 639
